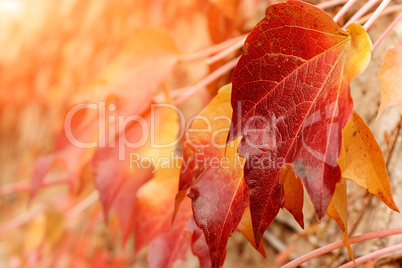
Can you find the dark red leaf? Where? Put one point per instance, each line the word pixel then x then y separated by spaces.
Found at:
pixel 290 102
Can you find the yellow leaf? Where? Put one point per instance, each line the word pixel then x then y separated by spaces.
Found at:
pixel 359 53
pixel 363 161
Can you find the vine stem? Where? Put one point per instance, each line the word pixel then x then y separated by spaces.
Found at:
pixel 224 49
pixel 328 4
pixel 386 32
pixel 88 201
pixel 388 10
pixel 363 10
pixel 25 186
pixel 57 201
pixel 398 130
pixel 227 44
pixel 21 219
pixel 373 255
pixel 211 50
pixel 226 52
pixel 376 14
pixel 343 10
pixel 205 81
pixel 339 244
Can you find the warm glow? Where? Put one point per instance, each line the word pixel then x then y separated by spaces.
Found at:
pixel 10 6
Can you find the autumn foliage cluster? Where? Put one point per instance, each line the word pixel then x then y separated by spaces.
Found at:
pixel 124 134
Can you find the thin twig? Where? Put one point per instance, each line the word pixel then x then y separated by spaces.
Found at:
pixel 85 203
pixel 221 46
pixel 25 186
pixel 363 10
pixel 211 50
pixel 398 130
pixel 368 198
pixel 328 4
pixel 386 32
pixel 344 9
pixel 21 219
pixel 373 255
pixel 376 14
pixel 206 81
pixel 226 52
pixel 277 244
pixel 28 215
pixel 339 244
pixel 388 10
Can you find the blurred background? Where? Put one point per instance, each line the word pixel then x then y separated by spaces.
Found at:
pixel 56 54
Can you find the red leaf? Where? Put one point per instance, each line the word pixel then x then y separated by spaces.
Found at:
pixel 219 201
pixel 199 245
pixel 218 191
pixel 124 204
pixel 290 102
pixel 119 179
pixel 154 207
pixel 117 183
pixel 170 248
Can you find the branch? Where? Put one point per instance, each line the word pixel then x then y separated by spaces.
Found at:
pixel 85 203
pixel 373 255
pixel 339 244
pixel 344 9
pixel 189 91
pixel 366 7
pixel 211 50
pixel 30 214
pixel 226 52
pixel 386 32
pixel 376 14
pixel 389 10
pixel 25 186
pixel 398 130
pixel 221 46
pixel 21 219
pixel 328 4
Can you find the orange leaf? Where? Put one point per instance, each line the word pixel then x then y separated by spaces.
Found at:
pixel 363 161
pixel 294 193
pixel 337 210
pixel 246 228
pixel 390 77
